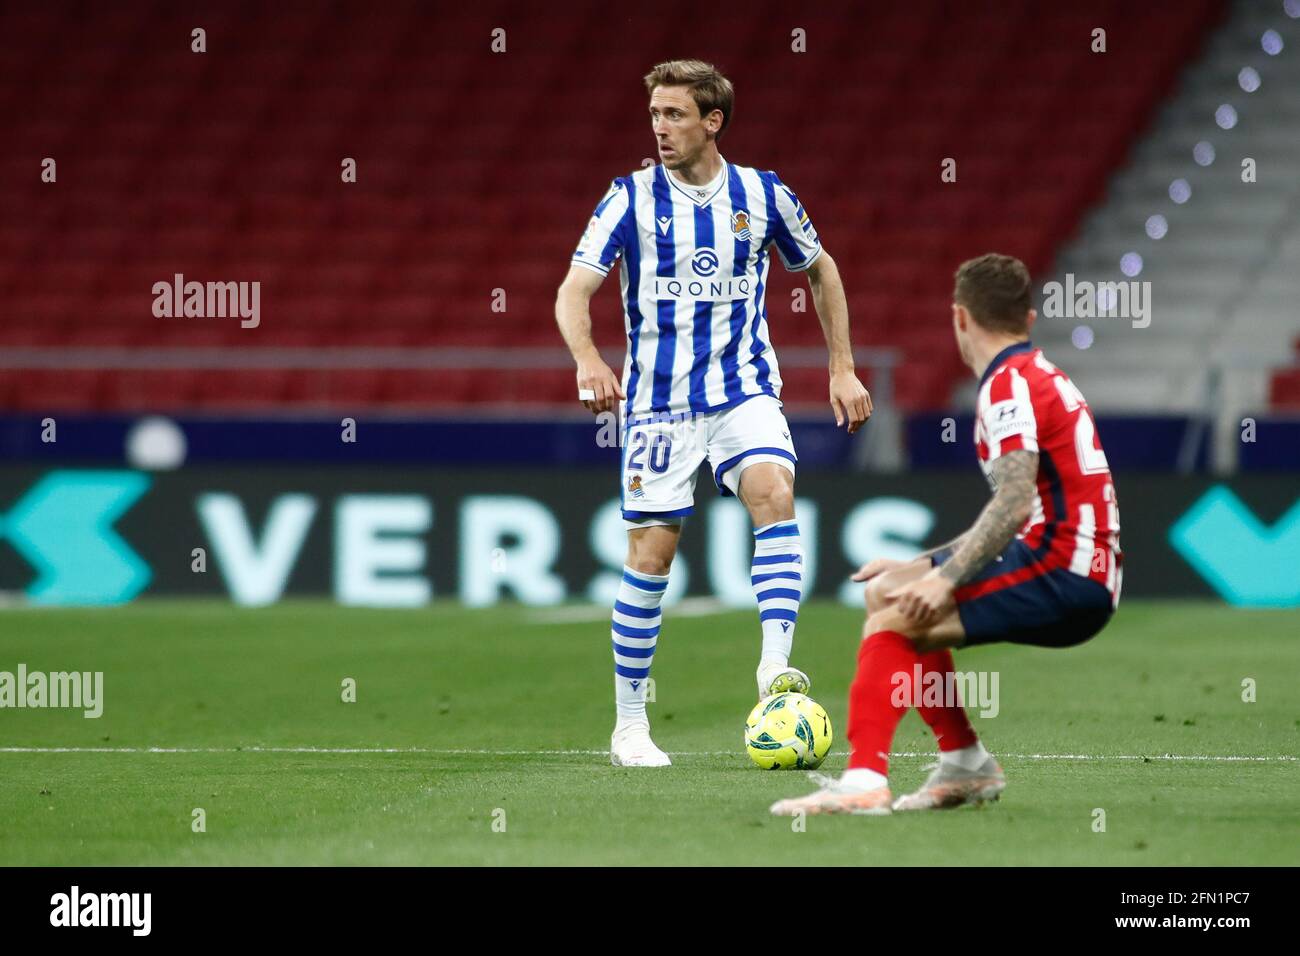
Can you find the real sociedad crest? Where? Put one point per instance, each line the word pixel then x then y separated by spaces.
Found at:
pixel 740 225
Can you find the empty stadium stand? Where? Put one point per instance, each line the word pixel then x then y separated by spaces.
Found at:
pixel 477 170
pixel 1225 287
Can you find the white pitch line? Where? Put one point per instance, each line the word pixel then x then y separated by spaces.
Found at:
pixel 1215 758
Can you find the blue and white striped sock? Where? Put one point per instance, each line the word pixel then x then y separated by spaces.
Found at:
pixel 777 578
pixel 635 630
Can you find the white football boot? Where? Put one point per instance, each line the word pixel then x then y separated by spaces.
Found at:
pixel 952 786
pixel 631 746
pixel 836 796
pixel 781 679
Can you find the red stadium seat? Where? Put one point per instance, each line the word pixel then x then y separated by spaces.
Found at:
pixel 477 172
pixel 1284 391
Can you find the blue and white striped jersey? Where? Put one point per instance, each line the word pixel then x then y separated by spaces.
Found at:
pixel 695 263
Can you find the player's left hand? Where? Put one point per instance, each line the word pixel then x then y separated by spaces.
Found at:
pixel 850 401
pixel 926 600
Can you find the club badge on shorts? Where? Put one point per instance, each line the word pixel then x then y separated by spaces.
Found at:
pixel 634 487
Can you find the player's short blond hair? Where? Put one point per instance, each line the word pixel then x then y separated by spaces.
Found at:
pixel 709 88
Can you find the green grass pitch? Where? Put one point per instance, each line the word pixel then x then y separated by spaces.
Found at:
pixel 466 718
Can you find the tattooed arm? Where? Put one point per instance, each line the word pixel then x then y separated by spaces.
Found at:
pixel 1015 475
pixel 928 599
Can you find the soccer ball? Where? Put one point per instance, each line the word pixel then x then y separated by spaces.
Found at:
pixel 788 732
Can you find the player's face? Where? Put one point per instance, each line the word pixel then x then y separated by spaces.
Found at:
pixel 680 132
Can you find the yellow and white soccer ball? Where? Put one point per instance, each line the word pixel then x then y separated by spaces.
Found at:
pixel 788 732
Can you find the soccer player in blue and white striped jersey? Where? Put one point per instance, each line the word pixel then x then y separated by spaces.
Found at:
pixel 694 235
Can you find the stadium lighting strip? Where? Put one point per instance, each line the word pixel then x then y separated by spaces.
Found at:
pixel 1203 153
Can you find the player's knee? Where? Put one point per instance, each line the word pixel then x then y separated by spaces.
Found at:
pixel 876 591
pixel 781 499
pixel 872 622
pixel 887 619
pixel 648 562
pixel 649 557
pixel 771 501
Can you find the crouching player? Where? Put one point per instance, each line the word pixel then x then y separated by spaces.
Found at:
pixel 1041 564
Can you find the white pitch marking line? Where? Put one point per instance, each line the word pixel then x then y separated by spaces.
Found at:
pixel 591 753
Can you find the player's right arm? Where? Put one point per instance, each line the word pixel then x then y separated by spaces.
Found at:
pixel 573 316
pixel 599 248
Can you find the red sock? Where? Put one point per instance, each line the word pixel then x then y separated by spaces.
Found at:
pixel 873 717
pixel 951 726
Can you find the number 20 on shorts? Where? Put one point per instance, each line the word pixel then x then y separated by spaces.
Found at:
pixel 660 449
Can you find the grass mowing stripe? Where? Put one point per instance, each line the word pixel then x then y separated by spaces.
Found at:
pixel 590 753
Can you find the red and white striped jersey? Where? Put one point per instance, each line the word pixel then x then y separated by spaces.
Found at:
pixel 1027 402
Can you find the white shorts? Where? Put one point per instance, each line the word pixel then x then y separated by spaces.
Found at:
pixel 662 458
